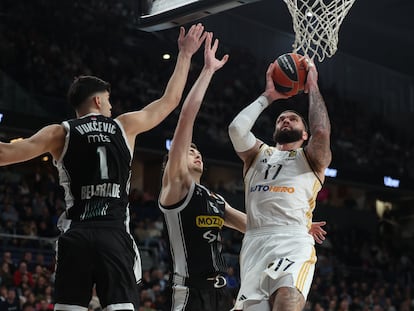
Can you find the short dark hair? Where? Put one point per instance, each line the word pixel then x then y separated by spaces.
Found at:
pixel 165 158
pixel 84 86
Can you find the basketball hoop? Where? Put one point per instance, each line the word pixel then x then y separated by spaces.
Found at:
pixel 316 25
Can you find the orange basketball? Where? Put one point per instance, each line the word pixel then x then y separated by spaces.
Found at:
pixel 289 74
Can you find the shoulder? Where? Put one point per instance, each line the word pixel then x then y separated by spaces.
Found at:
pixel 53 130
pixel 261 149
pixel 264 153
pixel 129 120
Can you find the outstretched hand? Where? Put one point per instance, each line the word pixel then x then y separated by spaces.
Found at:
pixel 312 76
pixel 317 232
pixel 210 60
pixel 270 91
pixel 190 43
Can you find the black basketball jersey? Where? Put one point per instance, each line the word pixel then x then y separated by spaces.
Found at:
pixel 95 170
pixel 194 227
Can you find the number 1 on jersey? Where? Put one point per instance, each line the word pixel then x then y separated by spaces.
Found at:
pixel 103 163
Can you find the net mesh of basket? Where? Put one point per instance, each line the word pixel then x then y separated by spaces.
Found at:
pixel 316 25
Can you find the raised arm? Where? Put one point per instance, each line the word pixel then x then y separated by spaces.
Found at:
pixel 49 139
pixel 244 142
pixel 155 112
pixel 177 179
pixel 235 219
pixel 318 148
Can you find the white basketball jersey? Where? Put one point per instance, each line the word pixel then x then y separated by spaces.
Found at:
pixel 281 189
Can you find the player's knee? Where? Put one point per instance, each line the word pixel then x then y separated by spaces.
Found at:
pixel 287 299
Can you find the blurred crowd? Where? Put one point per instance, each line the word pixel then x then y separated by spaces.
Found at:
pixel 42 49
pixel 357 268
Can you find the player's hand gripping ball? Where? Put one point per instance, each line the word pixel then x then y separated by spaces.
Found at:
pixel 289 73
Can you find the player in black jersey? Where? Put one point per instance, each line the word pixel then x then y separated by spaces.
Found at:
pixel 194 215
pixel 93 155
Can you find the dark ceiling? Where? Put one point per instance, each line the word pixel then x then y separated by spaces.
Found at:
pixel 379 31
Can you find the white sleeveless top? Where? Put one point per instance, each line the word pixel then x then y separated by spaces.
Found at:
pixel 281 189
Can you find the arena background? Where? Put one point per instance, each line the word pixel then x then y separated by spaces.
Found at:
pixel 368 199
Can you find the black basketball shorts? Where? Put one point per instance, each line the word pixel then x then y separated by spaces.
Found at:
pixel 203 298
pixel 107 258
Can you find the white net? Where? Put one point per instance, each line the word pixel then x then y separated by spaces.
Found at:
pixel 316 25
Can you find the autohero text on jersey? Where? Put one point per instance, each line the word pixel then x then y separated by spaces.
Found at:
pixel 107 190
pixel 267 188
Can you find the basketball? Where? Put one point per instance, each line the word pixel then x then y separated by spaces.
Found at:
pixel 289 74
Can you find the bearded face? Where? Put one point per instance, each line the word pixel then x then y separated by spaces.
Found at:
pixel 290 127
pixel 286 136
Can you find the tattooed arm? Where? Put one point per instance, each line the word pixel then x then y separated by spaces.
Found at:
pixel 318 149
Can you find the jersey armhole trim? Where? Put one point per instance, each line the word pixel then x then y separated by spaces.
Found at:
pixel 263 145
pixel 310 165
pixel 131 151
pixel 66 126
pixel 180 205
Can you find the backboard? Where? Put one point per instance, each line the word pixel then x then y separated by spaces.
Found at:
pixel 157 15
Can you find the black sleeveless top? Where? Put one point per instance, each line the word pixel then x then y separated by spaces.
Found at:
pixel 95 170
pixel 194 229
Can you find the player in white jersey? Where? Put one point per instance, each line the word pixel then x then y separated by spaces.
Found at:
pixel 277 259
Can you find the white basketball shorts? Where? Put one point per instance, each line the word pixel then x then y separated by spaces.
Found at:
pixel 271 258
